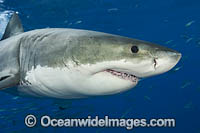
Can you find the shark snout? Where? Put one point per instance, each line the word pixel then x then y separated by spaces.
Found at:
pixel 176 56
pixel 166 61
pixel 173 57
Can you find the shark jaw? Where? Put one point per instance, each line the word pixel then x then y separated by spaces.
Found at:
pixel 77 81
pixel 123 75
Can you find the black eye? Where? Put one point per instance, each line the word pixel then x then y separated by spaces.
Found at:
pixel 134 49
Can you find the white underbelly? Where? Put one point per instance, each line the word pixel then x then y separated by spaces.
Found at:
pixel 69 83
pixel 50 82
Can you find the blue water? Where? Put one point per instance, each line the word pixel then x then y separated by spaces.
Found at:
pixel 175 94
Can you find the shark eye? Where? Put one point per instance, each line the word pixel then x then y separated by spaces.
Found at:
pixel 134 49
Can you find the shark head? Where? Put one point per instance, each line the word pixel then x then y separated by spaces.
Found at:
pixel 100 64
pixel 112 64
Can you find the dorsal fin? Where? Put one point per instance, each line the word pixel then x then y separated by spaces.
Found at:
pixel 14 27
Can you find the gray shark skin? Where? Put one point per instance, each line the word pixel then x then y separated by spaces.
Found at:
pixel 72 63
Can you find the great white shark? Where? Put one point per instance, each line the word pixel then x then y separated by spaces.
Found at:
pixel 72 63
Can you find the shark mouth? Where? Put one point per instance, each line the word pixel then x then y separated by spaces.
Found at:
pixel 123 75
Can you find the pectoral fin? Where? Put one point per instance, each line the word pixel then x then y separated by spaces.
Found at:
pixel 8 80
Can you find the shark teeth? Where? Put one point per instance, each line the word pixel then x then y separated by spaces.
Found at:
pixel 123 75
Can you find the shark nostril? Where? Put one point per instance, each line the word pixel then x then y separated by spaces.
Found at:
pixel 155 62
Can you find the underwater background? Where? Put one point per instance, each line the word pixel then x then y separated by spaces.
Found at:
pixel 175 94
